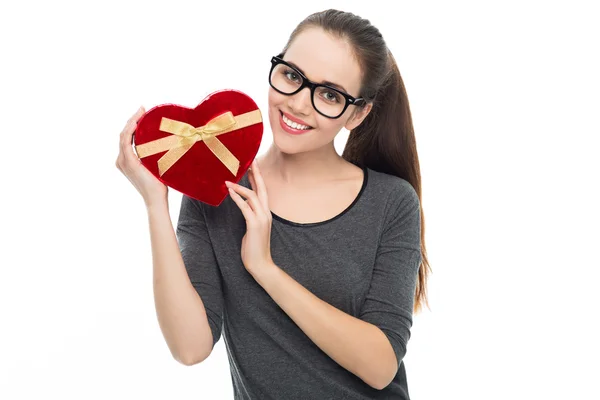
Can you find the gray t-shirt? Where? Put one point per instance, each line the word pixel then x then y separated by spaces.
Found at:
pixel 364 262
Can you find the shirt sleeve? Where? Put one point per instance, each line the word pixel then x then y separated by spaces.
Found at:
pixel 390 299
pixel 200 261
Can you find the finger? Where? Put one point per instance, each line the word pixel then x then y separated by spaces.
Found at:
pixel 263 204
pixel 126 141
pixel 128 132
pixel 136 116
pixel 251 179
pixel 121 146
pixel 250 195
pixel 124 133
pixel 261 188
pixel 243 205
pixel 132 121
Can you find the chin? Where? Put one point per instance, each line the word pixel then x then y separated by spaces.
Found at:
pixel 283 144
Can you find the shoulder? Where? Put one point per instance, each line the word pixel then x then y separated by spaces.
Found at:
pixel 398 191
pixel 401 218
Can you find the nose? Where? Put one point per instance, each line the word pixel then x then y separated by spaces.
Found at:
pixel 300 102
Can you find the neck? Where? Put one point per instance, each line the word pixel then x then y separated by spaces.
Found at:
pixel 302 169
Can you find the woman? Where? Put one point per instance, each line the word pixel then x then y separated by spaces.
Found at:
pixel 315 263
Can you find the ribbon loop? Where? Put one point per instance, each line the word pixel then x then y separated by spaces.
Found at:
pixel 218 124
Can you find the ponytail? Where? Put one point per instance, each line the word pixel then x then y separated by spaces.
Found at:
pixel 385 142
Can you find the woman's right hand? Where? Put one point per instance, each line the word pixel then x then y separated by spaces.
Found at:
pixel 150 187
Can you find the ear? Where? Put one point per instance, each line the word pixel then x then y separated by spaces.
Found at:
pixel 358 116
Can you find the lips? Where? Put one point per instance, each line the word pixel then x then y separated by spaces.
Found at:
pixel 294 119
pixel 289 129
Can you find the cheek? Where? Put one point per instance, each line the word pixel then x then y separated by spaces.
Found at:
pixel 274 98
pixel 329 127
pixel 274 102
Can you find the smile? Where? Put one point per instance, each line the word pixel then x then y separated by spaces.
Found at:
pixel 292 125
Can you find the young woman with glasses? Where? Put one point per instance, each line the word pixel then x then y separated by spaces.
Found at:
pixel 314 265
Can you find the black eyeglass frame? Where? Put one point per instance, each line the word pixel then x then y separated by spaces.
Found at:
pixel 356 101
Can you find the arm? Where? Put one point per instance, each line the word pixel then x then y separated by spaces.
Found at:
pixel 356 345
pixel 180 310
pixel 373 345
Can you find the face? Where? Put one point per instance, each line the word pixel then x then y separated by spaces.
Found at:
pixel 322 57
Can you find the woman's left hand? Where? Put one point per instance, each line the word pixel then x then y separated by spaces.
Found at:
pixel 256 243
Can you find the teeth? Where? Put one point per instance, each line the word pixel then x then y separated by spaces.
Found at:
pixel 294 124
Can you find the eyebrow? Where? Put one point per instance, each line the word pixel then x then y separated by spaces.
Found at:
pixel 324 82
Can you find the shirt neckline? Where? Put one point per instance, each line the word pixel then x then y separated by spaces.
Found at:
pixel 318 223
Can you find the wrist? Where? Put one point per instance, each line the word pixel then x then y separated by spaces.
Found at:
pixel 157 204
pixel 265 276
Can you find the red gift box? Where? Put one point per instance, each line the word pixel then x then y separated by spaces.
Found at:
pixel 194 151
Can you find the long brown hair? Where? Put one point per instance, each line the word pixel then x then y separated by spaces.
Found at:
pixel 385 140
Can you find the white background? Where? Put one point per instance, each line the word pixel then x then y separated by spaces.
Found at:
pixel 505 102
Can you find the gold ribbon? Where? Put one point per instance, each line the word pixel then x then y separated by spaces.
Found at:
pixel 185 135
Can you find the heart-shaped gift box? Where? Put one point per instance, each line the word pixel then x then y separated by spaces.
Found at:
pixel 194 151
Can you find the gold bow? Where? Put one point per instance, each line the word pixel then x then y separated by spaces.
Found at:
pixel 185 135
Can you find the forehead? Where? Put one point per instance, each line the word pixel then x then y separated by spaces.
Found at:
pixel 325 57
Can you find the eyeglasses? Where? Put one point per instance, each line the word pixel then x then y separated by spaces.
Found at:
pixel 326 100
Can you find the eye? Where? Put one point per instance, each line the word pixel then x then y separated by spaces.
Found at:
pixel 291 75
pixel 330 96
